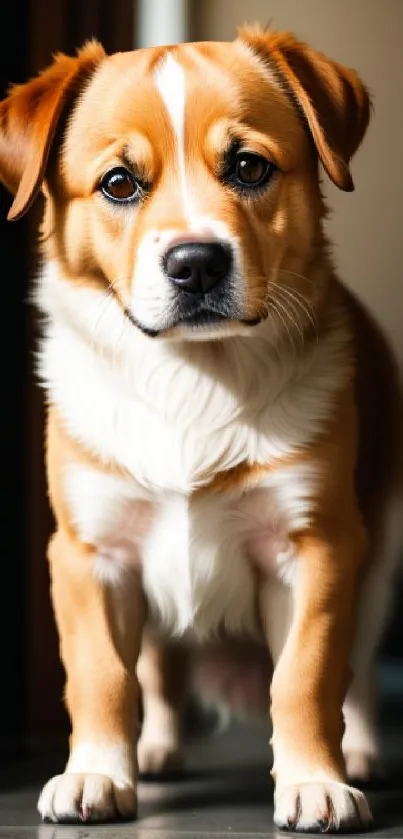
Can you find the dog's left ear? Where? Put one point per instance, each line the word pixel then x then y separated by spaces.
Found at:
pixel 332 99
pixel 29 118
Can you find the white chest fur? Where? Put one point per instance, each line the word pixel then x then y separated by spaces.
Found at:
pixel 198 556
pixel 173 415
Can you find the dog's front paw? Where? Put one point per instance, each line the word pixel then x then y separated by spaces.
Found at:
pixel 322 807
pixel 86 798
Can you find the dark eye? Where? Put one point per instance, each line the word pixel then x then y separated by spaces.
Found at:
pixel 251 169
pixel 247 170
pixel 119 185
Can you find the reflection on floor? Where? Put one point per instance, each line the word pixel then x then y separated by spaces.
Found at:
pixel 226 791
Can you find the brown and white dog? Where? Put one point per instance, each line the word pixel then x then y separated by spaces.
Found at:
pixel 224 428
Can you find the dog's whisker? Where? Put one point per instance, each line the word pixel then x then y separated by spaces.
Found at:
pixel 293 321
pixel 294 308
pixel 270 301
pixel 296 274
pixel 301 303
pixel 309 309
pixel 306 306
pixel 303 299
pixel 276 307
pixel 299 300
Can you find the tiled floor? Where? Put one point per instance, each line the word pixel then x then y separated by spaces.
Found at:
pixel 225 793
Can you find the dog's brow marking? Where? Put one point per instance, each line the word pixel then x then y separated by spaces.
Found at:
pixel 170 80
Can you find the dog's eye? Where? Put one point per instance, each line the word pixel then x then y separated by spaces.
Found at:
pixel 247 171
pixel 119 185
pixel 252 169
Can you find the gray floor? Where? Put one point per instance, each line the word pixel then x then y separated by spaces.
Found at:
pixel 226 791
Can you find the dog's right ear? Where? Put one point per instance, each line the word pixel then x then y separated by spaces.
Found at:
pixel 29 118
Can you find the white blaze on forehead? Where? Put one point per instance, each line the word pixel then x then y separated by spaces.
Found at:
pixel 170 81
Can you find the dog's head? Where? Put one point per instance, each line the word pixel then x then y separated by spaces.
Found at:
pixel 185 179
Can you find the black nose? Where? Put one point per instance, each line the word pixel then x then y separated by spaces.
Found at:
pixel 197 266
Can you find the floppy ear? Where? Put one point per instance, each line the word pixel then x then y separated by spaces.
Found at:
pixel 333 101
pixel 28 122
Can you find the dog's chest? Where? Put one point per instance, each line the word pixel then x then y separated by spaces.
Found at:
pixel 173 422
pixel 198 557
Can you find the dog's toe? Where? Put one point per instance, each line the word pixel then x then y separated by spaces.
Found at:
pixel 322 807
pixel 86 798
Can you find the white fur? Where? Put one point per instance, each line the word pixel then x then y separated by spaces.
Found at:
pixel 100 503
pixel 170 80
pixel 196 553
pixel 115 760
pixel 195 570
pixel 152 295
pixel 109 513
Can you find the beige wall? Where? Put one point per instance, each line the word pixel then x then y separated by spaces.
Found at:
pixel 367 225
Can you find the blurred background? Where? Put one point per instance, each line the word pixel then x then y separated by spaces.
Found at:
pixel 366 228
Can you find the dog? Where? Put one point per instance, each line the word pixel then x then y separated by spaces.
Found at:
pixel 224 427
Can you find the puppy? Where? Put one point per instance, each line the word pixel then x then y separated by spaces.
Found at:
pixel 224 418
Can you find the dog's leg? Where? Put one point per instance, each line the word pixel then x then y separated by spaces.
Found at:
pixel 360 741
pixel 311 650
pixel 163 675
pixel 100 630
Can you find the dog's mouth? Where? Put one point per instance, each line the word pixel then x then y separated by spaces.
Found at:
pixel 208 318
pixel 202 320
pixel 198 313
pixel 204 317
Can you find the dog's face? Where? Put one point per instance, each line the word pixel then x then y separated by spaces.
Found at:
pixel 187 188
pixel 185 180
